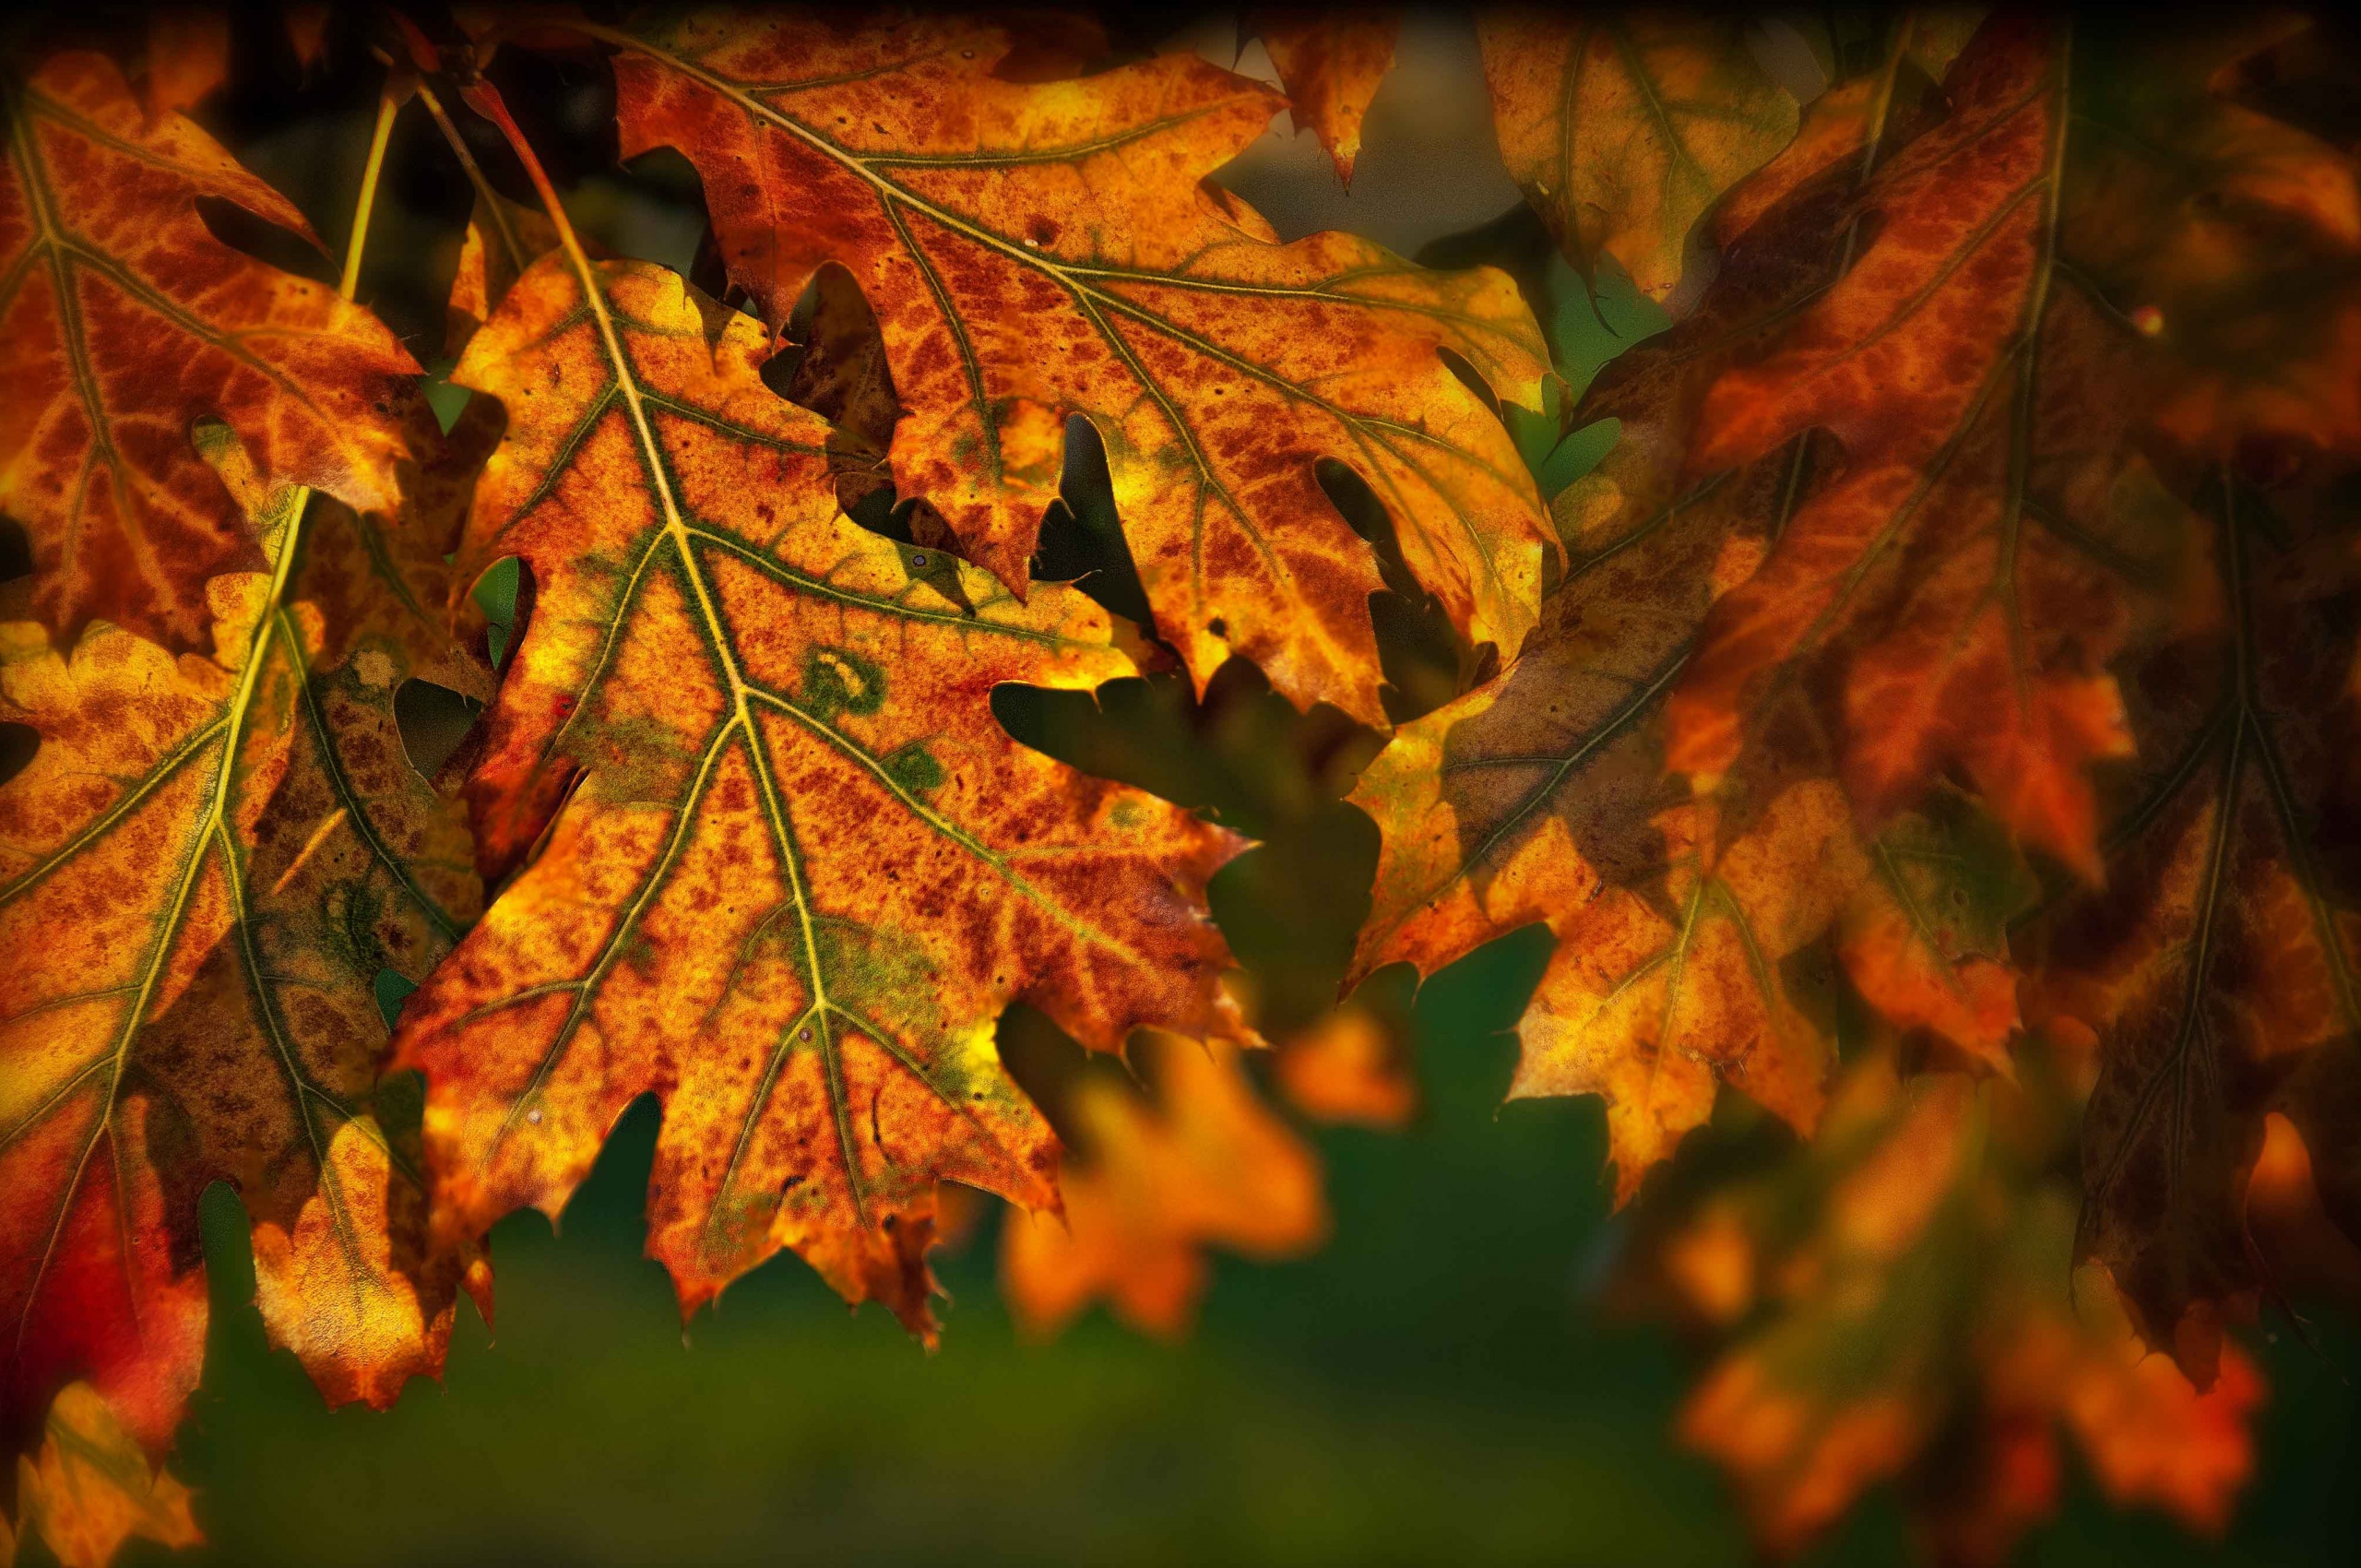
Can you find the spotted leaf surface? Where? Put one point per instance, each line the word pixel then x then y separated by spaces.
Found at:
pixel 125 324
pixel 780 866
pixel 1036 250
pixel 1682 922
pixel 204 871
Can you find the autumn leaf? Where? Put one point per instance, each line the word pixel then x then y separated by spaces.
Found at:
pixel 123 324
pixel 779 864
pixel 2216 970
pixel 1036 250
pixel 1204 1163
pixel 91 1487
pixel 1330 62
pixel 1624 130
pixel 205 871
pixel 1542 796
pixel 1891 1304
pixel 1995 536
pixel 1680 922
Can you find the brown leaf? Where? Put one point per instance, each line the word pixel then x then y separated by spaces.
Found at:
pixel 123 324
pixel 2216 970
pixel 1953 590
pixel 1039 250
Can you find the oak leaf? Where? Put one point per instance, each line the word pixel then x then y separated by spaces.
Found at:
pixel 1036 250
pixel 1995 535
pixel 124 323
pixel 1680 921
pixel 1330 62
pixel 205 871
pixel 780 866
pixel 1206 1163
pixel 2216 971
pixel 1624 130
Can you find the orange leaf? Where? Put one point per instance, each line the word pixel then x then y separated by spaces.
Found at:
pixel 93 1488
pixel 1036 250
pixel 1330 62
pixel 1348 1068
pixel 1625 130
pixel 1204 1165
pixel 1916 1324
pixel 781 867
pixel 205 873
pixel 124 323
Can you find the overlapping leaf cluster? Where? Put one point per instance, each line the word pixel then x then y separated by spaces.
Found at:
pixel 1986 504
pixel 760 845
pixel 1986 495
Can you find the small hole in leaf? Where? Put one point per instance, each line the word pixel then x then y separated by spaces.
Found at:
pixel 16 549
pixel 264 241
pixel 392 989
pixel 17 744
pixel 433 721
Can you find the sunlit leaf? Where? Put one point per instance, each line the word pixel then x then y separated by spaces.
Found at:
pixel 123 324
pixel 91 1487
pixel 1331 62
pixel 1034 250
pixel 780 866
pixel 204 871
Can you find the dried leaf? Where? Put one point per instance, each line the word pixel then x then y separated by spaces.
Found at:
pixel 1037 250
pixel 124 323
pixel 2216 970
pixel 1543 797
pixel 1624 130
pixel 1205 1165
pixel 1955 590
pixel 781 866
pixel 1330 62
pixel 93 1488
pixel 204 871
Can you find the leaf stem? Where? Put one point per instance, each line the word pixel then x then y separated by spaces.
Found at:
pixel 388 105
